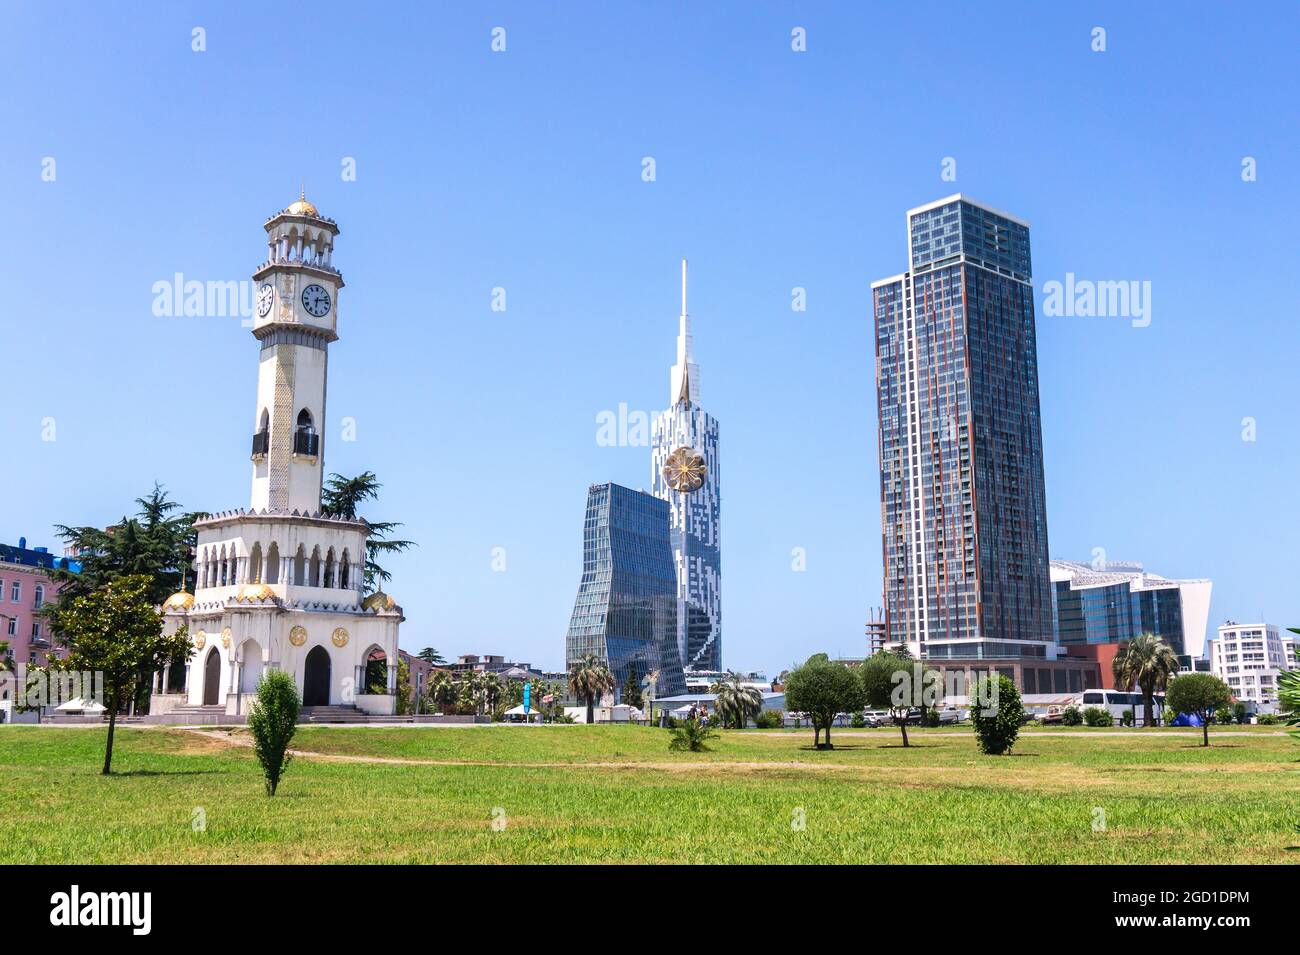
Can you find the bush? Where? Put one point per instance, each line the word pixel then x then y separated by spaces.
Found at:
pixel 931 718
pixel 1071 716
pixel 1168 717
pixel 273 720
pixel 998 730
pixel 1269 719
pixel 690 736
pixel 1098 716
pixel 857 721
pixel 770 720
pixel 1126 718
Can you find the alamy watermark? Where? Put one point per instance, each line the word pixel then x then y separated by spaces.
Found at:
pixel 1085 298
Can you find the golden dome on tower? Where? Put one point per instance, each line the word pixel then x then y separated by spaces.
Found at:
pixel 379 601
pixel 301 207
pixel 181 600
pixel 254 592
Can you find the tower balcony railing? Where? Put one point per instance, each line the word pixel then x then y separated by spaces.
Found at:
pixel 261 443
pixel 306 442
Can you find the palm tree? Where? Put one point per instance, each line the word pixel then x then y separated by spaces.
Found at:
pixel 588 679
pixel 442 690
pixel 1148 661
pixel 737 703
pixel 340 497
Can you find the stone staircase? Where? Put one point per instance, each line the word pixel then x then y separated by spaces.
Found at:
pixel 332 714
pixel 199 715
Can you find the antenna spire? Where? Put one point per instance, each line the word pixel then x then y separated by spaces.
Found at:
pixel 683 286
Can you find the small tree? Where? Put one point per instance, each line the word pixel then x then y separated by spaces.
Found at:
pixel 273 720
pixel 822 690
pixel 1199 695
pixel 883 674
pixel 430 655
pixel 997 718
pixel 1071 716
pixel 117 631
pixel 632 687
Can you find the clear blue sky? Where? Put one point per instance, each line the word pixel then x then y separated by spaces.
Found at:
pixel 775 169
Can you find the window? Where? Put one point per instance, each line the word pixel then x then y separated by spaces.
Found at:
pixel 13 626
pixel 36 631
pixel 16 592
pixel 40 597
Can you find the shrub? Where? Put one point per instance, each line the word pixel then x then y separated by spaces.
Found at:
pixel 1168 717
pixel 931 717
pixel 1071 716
pixel 1269 719
pixel 273 720
pixel 690 736
pixel 770 720
pixel 996 730
pixel 1098 716
pixel 857 721
pixel 1126 718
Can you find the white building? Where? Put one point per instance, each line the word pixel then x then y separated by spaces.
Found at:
pixel 280 585
pixel 684 471
pixel 1249 657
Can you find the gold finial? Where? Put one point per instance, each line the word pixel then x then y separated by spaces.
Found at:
pixel 300 206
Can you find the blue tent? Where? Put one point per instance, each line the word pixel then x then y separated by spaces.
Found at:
pixel 1186 719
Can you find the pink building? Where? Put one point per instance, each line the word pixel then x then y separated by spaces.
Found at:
pixel 25 586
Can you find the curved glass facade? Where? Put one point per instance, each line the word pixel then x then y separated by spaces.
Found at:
pixel 626 608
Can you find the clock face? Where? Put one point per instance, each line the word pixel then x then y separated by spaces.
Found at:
pixel 316 301
pixel 265 296
pixel 685 469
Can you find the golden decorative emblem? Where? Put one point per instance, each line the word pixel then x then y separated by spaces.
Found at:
pixel 200 640
pixel 684 471
pixel 298 636
pixel 225 638
pixel 339 638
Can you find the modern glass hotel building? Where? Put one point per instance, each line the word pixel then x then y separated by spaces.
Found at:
pixel 963 510
pixel 626 608
pixel 1115 602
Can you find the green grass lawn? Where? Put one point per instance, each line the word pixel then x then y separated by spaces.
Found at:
pixel 615 794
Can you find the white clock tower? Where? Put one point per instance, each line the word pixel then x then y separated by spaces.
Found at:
pixel 296 320
pixel 281 585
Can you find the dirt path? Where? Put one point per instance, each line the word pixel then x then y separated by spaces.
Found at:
pixel 244 742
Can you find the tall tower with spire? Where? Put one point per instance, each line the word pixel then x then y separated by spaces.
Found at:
pixel 684 471
pixel 281 585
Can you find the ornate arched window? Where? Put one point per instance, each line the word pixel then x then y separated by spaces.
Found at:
pixel 305 438
pixel 255 564
pixel 329 570
pixel 345 570
pixel 314 569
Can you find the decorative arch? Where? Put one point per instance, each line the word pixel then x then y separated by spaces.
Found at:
pixel 273 564
pixel 250 665
pixel 300 567
pixel 313 569
pixel 345 570
pixel 212 677
pixel 328 580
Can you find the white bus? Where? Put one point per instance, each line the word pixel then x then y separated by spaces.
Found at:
pixel 1117 701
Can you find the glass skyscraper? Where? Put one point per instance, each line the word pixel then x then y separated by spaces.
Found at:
pixel 626 609
pixel 963 511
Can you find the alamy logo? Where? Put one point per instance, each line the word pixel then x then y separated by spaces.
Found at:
pixel 103 908
pixel 1084 298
